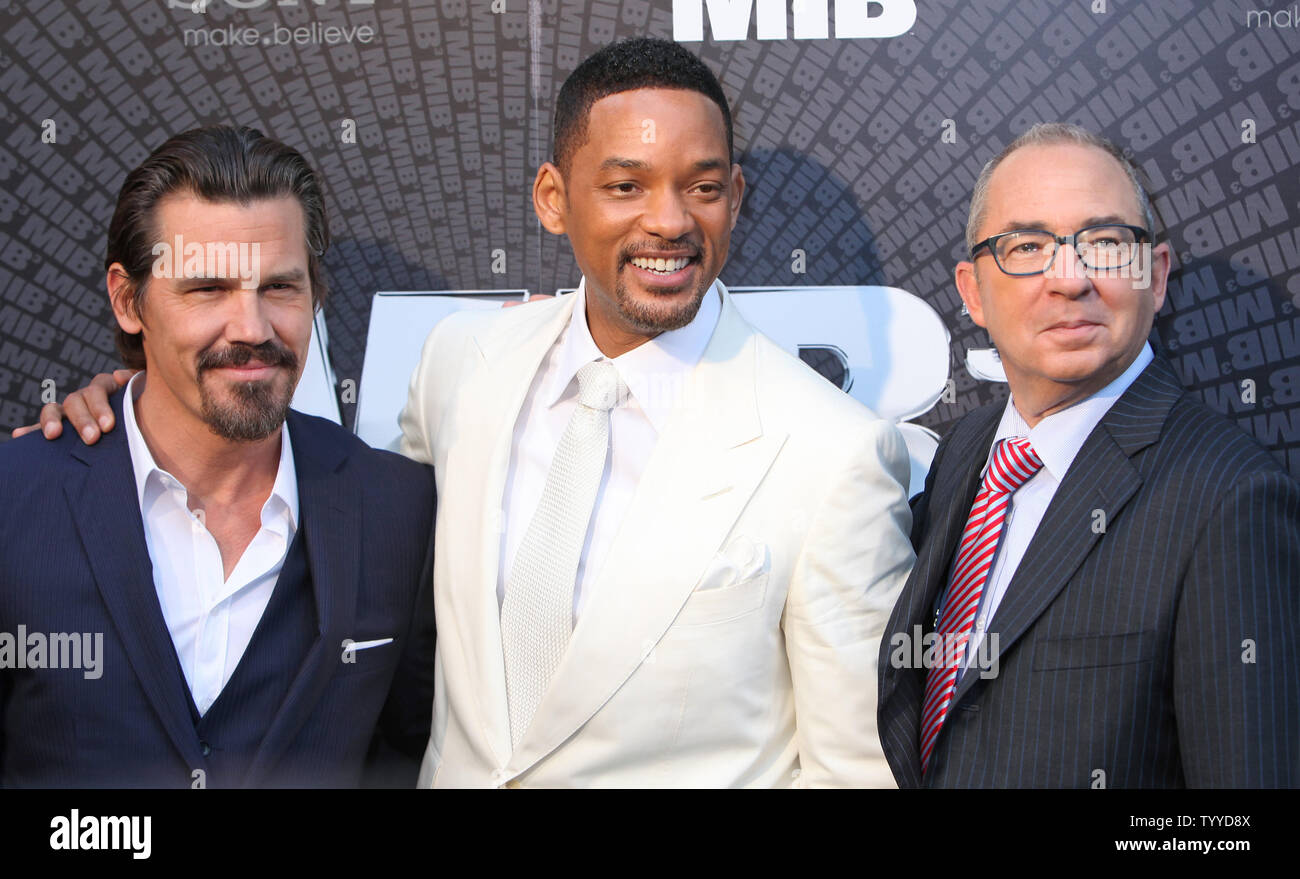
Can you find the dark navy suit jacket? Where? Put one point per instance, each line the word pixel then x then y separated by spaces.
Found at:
pixel 73 559
pixel 1157 647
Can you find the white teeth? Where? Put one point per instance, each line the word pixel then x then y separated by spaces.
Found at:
pixel 663 266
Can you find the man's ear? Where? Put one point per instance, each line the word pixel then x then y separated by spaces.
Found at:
pixel 738 191
pixel 969 288
pixel 549 198
pixel 121 295
pixel 1161 259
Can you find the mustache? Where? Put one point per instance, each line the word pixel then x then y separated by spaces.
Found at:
pixel 689 248
pixel 269 352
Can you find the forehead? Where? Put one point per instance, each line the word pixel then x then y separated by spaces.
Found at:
pixel 1060 183
pixel 656 122
pixel 274 223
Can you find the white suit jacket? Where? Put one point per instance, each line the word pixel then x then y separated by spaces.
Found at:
pixel 733 635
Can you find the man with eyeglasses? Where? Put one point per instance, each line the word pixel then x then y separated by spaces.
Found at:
pixel 1107 586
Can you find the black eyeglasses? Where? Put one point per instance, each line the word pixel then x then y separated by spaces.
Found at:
pixel 1032 251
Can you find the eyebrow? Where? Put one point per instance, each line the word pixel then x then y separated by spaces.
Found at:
pixel 626 164
pixel 1039 225
pixel 290 277
pixel 293 276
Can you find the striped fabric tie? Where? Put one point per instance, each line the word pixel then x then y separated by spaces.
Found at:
pixel 1014 463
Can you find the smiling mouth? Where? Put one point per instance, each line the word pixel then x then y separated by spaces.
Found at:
pixel 661 266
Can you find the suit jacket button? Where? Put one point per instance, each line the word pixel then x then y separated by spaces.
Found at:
pixel 205 748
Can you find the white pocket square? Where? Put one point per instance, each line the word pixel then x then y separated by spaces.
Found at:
pixel 740 560
pixel 351 646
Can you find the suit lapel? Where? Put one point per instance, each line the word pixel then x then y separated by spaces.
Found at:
pixel 478 460
pixel 951 496
pixel 705 467
pixel 106 510
pixel 331 514
pixel 1102 477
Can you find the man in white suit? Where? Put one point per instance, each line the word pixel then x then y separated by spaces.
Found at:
pixel 666 548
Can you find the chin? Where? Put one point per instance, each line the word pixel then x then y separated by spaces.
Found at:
pixel 659 313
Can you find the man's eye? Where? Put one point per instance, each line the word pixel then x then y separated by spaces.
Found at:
pixel 1027 247
pixel 710 188
pixel 624 188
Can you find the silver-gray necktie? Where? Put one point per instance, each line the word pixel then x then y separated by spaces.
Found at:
pixel 537 611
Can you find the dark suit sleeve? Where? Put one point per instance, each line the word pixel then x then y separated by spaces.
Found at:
pixel 1237 651
pixel 404 724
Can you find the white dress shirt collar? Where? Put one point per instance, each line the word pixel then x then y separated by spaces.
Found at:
pixel 654 372
pixel 279 513
pixel 1058 437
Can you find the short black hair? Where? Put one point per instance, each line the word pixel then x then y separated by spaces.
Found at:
pixel 219 163
pixel 638 63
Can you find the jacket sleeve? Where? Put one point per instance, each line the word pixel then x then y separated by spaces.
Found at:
pixel 1237 641
pixel 853 564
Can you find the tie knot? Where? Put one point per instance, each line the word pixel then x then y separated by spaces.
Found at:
pixel 1014 463
pixel 599 385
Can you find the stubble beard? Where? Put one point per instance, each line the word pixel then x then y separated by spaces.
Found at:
pixel 654 317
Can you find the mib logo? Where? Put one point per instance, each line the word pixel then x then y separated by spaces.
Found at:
pixel 831 362
pixel 854 19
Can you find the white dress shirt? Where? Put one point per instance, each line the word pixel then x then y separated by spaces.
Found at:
pixel 211 619
pixel 655 374
pixel 1057 440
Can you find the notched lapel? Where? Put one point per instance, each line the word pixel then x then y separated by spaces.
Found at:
pixel 1103 479
pixel 707 465
pixel 332 516
pixel 106 510
pixel 478 459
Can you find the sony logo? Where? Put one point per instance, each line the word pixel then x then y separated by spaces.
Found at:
pixel 202 5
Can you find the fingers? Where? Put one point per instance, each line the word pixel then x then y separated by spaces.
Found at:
pixel 23 431
pixel 122 376
pixel 79 415
pixel 95 396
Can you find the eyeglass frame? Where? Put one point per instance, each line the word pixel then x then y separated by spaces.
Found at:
pixel 1140 235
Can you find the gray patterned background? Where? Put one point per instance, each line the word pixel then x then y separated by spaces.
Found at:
pixel 841 140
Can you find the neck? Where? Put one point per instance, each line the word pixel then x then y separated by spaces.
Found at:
pixel 213 470
pixel 609 331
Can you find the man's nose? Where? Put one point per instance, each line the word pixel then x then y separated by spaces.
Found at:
pixel 247 320
pixel 1067 274
pixel 667 215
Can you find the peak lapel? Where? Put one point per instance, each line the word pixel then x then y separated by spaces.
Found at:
pixel 704 469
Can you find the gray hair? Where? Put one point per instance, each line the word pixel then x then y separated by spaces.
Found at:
pixel 1048 134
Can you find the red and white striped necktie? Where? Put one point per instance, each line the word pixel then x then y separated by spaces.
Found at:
pixel 1014 463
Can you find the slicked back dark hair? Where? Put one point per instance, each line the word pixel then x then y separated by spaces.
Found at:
pixel 220 163
pixel 639 63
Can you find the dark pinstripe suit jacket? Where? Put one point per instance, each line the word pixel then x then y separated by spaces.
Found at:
pixel 73 559
pixel 1160 653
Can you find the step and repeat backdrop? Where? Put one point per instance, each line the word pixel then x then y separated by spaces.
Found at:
pixel 861 126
